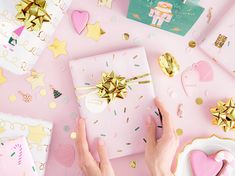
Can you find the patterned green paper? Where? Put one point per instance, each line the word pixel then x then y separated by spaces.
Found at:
pixel 170 15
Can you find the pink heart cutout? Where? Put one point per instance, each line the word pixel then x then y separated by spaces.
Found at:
pixel 80 20
pixel 204 165
pixel 205 71
pixel 65 155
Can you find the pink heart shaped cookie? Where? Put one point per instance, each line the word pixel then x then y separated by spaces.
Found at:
pixel 204 165
pixel 80 20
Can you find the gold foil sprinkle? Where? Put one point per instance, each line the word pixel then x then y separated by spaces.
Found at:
pixel 168 64
pixel 192 44
pixel 126 36
pixel 220 41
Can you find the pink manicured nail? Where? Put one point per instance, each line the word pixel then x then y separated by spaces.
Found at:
pixel 101 142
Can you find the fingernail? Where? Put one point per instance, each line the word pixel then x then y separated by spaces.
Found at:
pixel 100 142
pixel 148 120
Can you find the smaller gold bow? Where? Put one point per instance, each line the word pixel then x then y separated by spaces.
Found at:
pixel 224 115
pixel 33 13
pixel 168 64
pixel 113 86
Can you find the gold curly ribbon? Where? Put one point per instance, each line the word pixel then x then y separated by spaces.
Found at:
pixel 33 13
pixel 168 64
pixel 114 86
pixel 224 115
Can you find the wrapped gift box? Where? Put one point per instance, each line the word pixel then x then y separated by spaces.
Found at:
pixel 16 158
pixel 220 43
pixel 170 15
pixel 37 132
pixel 20 48
pixel 120 123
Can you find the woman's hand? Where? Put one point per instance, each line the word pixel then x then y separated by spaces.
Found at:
pixel 159 154
pixel 88 164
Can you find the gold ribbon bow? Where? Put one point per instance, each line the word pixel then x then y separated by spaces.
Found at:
pixel 113 86
pixel 33 13
pixel 224 115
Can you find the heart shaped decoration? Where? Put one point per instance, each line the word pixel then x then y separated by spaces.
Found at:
pixel 204 165
pixel 205 71
pixel 65 154
pixel 79 20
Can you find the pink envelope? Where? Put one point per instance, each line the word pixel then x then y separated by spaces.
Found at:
pixel 16 159
pixel 220 43
pixel 121 124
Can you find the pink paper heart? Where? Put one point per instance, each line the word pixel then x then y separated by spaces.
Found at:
pixel 205 71
pixel 204 165
pixel 65 154
pixel 80 20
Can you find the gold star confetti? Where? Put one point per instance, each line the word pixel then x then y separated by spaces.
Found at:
pixel 36 79
pixel 36 134
pixel 52 105
pixel 179 132
pixel 192 44
pixel 133 164
pixel 12 98
pixel 126 36
pixel 58 47
pixel 94 31
pixel 199 101
pixel 43 92
pixel 73 135
pixel 2 77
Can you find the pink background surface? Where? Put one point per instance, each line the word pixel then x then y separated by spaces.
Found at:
pixel 196 121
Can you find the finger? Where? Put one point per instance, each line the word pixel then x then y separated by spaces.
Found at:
pixel 151 131
pixel 167 124
pixel 81 137
pixel 102 152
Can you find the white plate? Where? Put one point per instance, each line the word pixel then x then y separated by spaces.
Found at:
pixel 209 145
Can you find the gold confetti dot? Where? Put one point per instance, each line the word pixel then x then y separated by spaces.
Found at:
pixel 73 135
pixel 133 164
pixel 43 92
pixel 126 36
pixel 12 98
pixel 52 105
pixel 192 44
pixel 179 132
pixel 199 101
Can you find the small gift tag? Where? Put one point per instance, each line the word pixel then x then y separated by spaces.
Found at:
pixel 94 103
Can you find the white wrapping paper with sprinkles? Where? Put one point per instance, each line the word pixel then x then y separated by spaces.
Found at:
pixel 121 122
pixel 37 132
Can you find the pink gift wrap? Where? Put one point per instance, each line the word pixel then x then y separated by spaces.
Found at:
pixel 16 159
pixel 121 124
pixel 225 55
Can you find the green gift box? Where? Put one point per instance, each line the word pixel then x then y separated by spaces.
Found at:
pixel 171 15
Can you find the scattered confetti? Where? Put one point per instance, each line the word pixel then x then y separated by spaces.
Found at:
pixel 12 98
pixel 128 143
pixel 106 3
pixel 103 135
pixel 66 128
pixel 36 80
pixel 180 112
pixel 56 93
pixel 133 164
pixel 126 36
pixel 13 154
pixel 135 56
pixel 52 105
pixel 145 141
pixel 43 92
pixel 2 77
pixel 73 135
pixel 27 98
pixel 94 31
pixel 209 15
pixel 127 120
pixel 179 132
pixel 95 122
pixel 199 101
pixel 119 151
pixel 115 112
pixel 58 48
pixel 124 109
pixel 192 44
pixel 137 16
